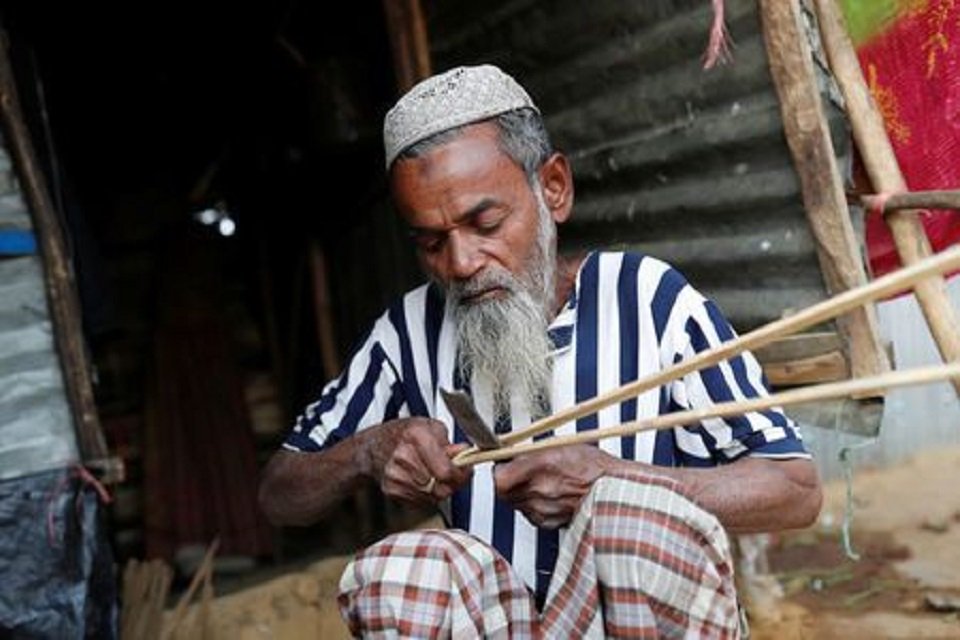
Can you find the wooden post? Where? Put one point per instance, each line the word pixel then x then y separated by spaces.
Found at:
pixel 61 293
pixel 881 165
pixel 808 136
pixel 408 40
pixel 323 310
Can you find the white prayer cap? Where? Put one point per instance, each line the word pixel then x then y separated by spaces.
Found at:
pixel 451 99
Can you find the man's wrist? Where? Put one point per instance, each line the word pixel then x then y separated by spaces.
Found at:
pixel 364 456
pixel 373 448
pixel 612 465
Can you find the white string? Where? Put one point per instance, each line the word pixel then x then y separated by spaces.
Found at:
pixel 847 466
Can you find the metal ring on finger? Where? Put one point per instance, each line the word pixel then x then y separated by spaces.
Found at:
pixel 429 485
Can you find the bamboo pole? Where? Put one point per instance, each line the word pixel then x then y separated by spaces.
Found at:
pixel 872 386
pixel 913 200
pixel 146 586
pixel 58 273
pixel 887 285
pixel 200 577
pixel 808 138
pixel 881 165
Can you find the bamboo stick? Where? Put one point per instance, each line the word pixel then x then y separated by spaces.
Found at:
pixel 887 285
pixel 913 200
pixel 58 271
pixel 870 386
pixel 146 586
pixel 881 164
pixel 199 578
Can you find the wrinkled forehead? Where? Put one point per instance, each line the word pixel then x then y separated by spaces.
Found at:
pixel 470 161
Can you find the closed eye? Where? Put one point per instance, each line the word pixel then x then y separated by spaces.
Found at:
pixel 489 220
pixel 427 241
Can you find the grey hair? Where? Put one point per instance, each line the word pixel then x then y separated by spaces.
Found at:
pixel 522 136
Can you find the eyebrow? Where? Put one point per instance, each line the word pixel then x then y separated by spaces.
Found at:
pixel 472 212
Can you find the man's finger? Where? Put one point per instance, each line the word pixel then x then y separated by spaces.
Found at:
pixel 409 460
pixel 510 476
pixel 432 448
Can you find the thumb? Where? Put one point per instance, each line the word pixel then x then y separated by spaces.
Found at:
pixel 453 449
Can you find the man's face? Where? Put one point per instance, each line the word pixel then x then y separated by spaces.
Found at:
pixel 471 212
pixel 483 234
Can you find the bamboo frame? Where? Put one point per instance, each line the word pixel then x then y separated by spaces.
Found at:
pixel 887 285
pixel 881 165
pixel 807 132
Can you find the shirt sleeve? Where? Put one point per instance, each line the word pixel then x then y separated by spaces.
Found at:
pixel 697 325
pixel 367 393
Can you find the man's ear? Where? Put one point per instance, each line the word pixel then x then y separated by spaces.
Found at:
pixel 557 182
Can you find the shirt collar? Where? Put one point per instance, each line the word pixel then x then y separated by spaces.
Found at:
pixel 562 328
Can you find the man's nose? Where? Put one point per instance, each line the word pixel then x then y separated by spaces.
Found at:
pixel 464 258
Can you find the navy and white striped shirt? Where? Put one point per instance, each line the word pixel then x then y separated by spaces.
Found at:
pixel 628 316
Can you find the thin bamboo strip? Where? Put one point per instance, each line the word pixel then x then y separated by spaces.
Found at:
pixel 863 386
pixel 200 577
pixel 889 284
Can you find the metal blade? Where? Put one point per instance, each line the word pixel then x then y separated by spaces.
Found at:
pixel 463 411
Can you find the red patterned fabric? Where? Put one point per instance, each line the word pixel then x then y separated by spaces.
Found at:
pixel 913 71
pixel 639 560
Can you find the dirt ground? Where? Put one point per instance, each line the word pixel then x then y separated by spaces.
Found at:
pixel 906 528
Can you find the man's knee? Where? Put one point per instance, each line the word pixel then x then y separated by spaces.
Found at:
pixel 641 499
pixel 397 556
pixel 433 583
pixel 650 538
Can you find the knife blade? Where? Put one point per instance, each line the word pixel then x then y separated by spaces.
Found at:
pixel 462 409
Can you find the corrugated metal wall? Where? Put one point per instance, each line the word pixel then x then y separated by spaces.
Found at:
pixel 36 426
pixel 685 164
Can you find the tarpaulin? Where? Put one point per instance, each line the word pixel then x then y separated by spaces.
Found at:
pixel 909 51
pixel 56 566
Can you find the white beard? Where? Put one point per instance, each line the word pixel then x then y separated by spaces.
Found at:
pixel 504 340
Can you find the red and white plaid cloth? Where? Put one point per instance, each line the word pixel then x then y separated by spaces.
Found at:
pixel 639 560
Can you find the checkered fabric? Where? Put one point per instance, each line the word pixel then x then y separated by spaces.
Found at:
pixel 435 584
pixel 639 560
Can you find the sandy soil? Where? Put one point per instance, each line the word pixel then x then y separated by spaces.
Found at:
pixel 906 528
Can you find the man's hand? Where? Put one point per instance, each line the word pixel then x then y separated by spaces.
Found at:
pixel 412 461
pixel 548 486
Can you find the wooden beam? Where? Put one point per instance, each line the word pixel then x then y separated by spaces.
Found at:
pixel 798 347
pixel 407 30
pixel 808 137
pixel 807 358
pixel 58 273
pixel 827 367
pixel 884 171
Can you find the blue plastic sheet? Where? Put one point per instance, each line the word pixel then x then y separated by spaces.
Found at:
pixel 17 243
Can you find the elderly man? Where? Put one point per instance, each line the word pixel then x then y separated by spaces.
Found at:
pixel 625 538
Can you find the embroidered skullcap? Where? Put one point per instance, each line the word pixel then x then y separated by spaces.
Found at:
pixel 452 99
